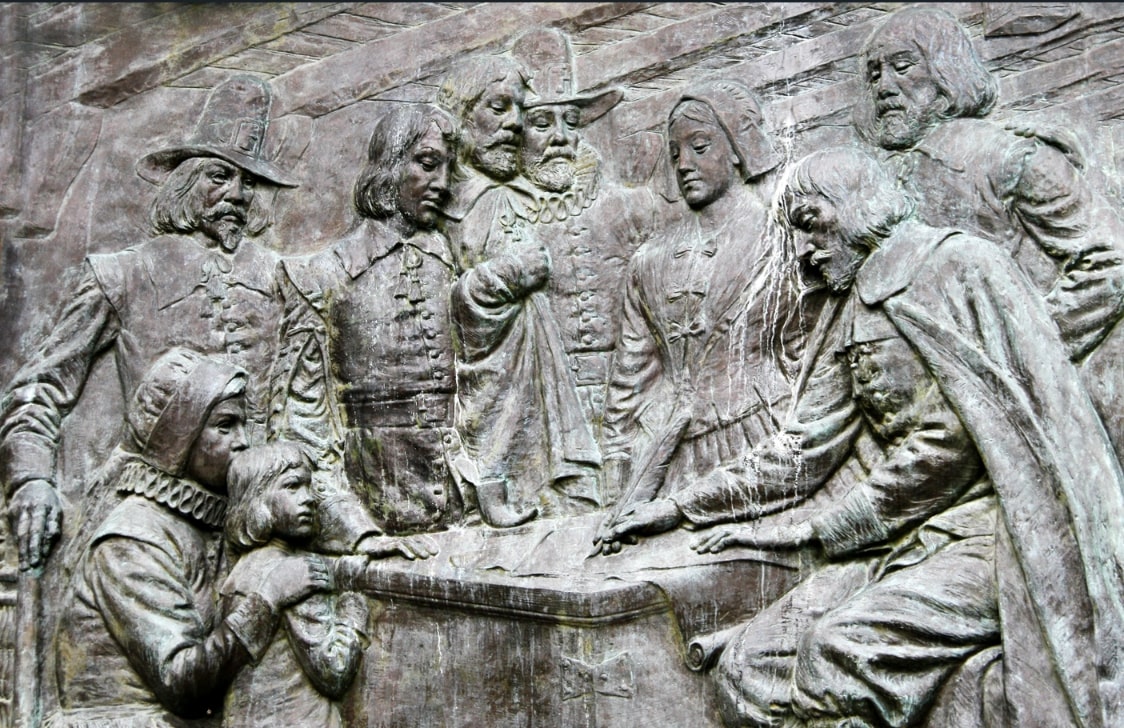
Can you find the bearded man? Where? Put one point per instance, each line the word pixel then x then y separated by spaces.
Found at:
pixel 197 283
pixel 975 542
pixel 1024 188
pixel 518 411
pixel 590 224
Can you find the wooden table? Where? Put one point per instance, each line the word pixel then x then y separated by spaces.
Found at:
pixel 518 628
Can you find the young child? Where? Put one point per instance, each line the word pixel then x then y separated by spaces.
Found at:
pixel 315 653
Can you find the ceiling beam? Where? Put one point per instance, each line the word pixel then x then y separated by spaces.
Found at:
pixel 416 53
pixel 110 69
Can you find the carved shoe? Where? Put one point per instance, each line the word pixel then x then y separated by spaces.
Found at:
pixel 492 496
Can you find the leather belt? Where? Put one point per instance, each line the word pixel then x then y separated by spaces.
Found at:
pixel 426 409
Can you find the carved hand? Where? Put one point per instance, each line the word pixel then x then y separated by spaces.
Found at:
pixel 773 536
pixel 35 515
pixel 408 547
pixel 603 541
pixel 532 267
pixel 646 519
pixel 293 578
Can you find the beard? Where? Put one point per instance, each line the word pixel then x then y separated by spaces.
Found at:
pixel 224 223
pixel 496 161
pixel 901 128
pixel 555 174
pixel 897 131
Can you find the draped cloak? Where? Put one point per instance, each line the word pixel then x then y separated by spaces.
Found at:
pixel 988 340
pixel 517 405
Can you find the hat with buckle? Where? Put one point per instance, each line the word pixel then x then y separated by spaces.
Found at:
pixel 232 127
pixel 548 58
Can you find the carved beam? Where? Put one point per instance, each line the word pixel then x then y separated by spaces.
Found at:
pixel 685 43
pixel 425 50
pixel 774 68
pixel 137 58
pixel 818 55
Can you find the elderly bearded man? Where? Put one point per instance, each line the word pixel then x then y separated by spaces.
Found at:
pixel 983 490
pixel 590 223
pixel 198 284
pixel 530 444
pixel 1023 188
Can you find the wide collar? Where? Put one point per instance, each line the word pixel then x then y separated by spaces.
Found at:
pixel 373 240
pixel 543 206
pixel 180 495
pixel 178 264
pixel 892 266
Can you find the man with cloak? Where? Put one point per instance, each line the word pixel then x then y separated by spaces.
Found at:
pixel 1027 186
pixel 590 222
pixel 517 409
pixel 973 554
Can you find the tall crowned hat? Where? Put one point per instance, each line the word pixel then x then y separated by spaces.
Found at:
pixel 548 58
pixel 232 127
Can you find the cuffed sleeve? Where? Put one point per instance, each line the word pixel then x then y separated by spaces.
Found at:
pixel 920 477
pixel 329 634
pixel 145 598
pixel 253 622
pixel 47 388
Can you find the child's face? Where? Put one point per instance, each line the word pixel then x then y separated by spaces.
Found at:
pixel 291 502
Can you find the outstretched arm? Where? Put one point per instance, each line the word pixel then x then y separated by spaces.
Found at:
pixel 146 599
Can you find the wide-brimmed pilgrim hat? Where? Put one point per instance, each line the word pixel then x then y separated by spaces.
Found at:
pixel 232 127
pixel 546 55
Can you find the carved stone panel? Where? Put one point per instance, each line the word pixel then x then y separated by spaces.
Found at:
pixel 561 364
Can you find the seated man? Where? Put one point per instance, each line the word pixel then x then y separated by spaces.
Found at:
pixel 979 485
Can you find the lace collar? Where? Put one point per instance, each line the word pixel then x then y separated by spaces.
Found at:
pixel 543 207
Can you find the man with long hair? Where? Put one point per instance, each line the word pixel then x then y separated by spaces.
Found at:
pixel 197 282
pixel 971 569
pixel 1024 186
pixel 366 372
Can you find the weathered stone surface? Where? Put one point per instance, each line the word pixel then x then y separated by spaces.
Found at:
pixel 561 364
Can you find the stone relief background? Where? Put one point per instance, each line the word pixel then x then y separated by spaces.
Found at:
pixel 86 89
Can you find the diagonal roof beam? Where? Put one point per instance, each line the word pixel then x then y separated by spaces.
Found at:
pixel 840 46
pixel 771 68
pixel 689 41
pixel 137 58
pixel 413 54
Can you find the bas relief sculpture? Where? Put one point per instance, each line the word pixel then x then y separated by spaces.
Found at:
pixel 573 365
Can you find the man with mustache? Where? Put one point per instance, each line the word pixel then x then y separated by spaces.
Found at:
pixel 197 283
pixel 518 411
pixel 1024 188
pixel 590 224
pixel 967 567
